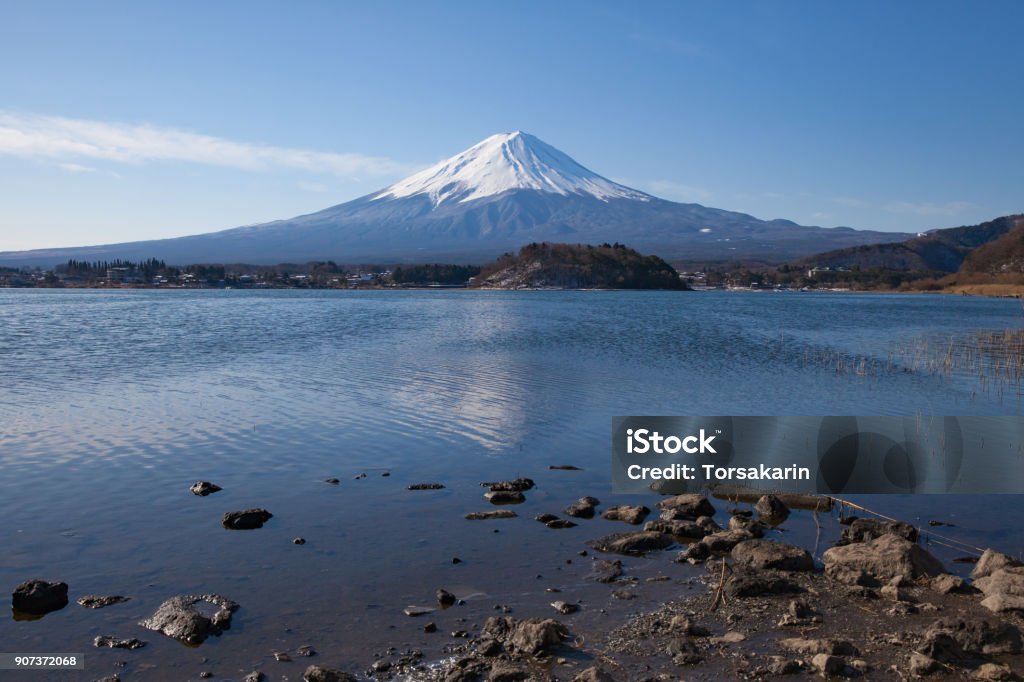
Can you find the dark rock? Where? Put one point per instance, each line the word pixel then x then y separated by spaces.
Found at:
pixel 426 486
pixel 92 601
pixel 179 619
pixel 879 561
pixel 333 481
pixel 630 514
pixel 545 518
pixel 753 526
pixel 517 485
pixel 979 636
pixel 115 643
pixel 299 541
pixel 866 530
pixel 780 665
pixel 624 595
pixel 39 596
pixel 771 510
pixel 306 651
pixel 763 554
pixel 560 523
pixel 747 584
pixel 505 497
pixel 496 514
pixel 204 488
pixel 445 598
pixel 564 467
pixel 430 627
pixel 684 652
pixel 606 571
pixel 316 673
pixel 828 665
pixel 247 519
pixel 282 657
pixel 990 562
pixel 635 543
pixel 583 508
pixel 693 505
pixel 531 636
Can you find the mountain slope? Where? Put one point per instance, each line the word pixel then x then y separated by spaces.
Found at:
pixel 938 251
pixel 999 257
pixel 508 190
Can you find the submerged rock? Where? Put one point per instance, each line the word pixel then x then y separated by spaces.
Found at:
pixel 638 542
pixel 517 485
pixel 115 643
pixel 496 514
pixel 505 497
pixel 879 561
pixel 179 619
pixel 92 601
pixel 606 571
pixel 204 488
pixel 764 554
pixel 316 673
pixel 38 597
pixel 630 514
pixel 426 486
pixel 247 519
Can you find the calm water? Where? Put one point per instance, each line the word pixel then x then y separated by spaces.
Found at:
pixel 113 403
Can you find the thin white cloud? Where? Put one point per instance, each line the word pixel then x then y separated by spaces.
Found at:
pixel 60 138
pixel 76 168
pixel 677 191
pixel 925 208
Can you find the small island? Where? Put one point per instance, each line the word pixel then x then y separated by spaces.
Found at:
pixel 578 266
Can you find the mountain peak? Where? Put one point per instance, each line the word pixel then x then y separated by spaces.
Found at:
pixel 506 162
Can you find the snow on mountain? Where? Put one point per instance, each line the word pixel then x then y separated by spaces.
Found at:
pixel 503 163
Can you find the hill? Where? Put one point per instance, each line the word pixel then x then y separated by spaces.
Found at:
pixel 577 266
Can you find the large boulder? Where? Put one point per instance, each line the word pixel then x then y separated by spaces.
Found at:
pixel 879 561
pixel 316 673
pixel 764 554
pixel 771 510
pixel 38 597
pixel 978 636
pixel 179 619
pixel 1003 589
pixel 990 562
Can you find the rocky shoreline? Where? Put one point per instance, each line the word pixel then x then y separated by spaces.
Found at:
pixel 877 605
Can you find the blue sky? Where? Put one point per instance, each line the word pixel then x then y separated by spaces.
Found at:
pixel 124 120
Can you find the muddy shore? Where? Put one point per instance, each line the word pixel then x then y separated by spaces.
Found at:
pixel 689 587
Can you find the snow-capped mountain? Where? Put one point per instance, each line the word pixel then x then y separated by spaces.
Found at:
pixel 506 191
pixel 504 163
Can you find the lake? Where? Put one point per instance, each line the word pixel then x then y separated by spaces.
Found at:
pixel 113 402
